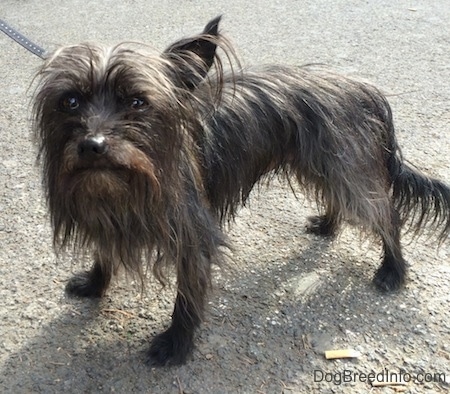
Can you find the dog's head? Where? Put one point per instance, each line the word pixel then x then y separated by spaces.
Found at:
pixel 112 122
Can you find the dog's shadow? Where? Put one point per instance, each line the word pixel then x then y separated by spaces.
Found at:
pixel 274 321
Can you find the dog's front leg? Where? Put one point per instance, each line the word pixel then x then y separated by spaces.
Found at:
pixel 173 345
pixel 92 283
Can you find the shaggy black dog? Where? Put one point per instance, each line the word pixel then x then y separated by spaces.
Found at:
pixel 145 156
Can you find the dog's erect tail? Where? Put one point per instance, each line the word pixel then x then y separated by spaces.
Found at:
pixel 421 199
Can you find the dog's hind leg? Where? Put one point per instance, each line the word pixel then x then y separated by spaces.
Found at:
pixel 92 283
pixel 392 273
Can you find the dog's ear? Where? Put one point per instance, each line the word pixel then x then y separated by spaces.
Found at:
pixel 193 57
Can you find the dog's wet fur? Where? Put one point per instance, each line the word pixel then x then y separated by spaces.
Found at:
pixel 145 157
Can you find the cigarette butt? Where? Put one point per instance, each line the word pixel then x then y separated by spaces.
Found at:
pixel 341 353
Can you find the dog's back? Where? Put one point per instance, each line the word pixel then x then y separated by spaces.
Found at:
pixel 334 134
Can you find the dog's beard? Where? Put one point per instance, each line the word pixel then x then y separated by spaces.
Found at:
pixel 94 195
pixel 102 205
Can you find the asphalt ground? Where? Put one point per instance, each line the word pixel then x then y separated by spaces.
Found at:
pixel 288 295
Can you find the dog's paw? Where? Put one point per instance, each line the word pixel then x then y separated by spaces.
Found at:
pixel 388 280
pixel 170 348
pixel 320 225
pixel 81 285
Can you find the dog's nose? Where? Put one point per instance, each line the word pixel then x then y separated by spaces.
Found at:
pixel 92 147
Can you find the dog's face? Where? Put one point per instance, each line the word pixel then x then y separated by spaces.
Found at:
pixel 105 115
pixel 111 123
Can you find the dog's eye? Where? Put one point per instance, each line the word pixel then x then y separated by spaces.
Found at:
pixel 70 103
pixel 138 103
